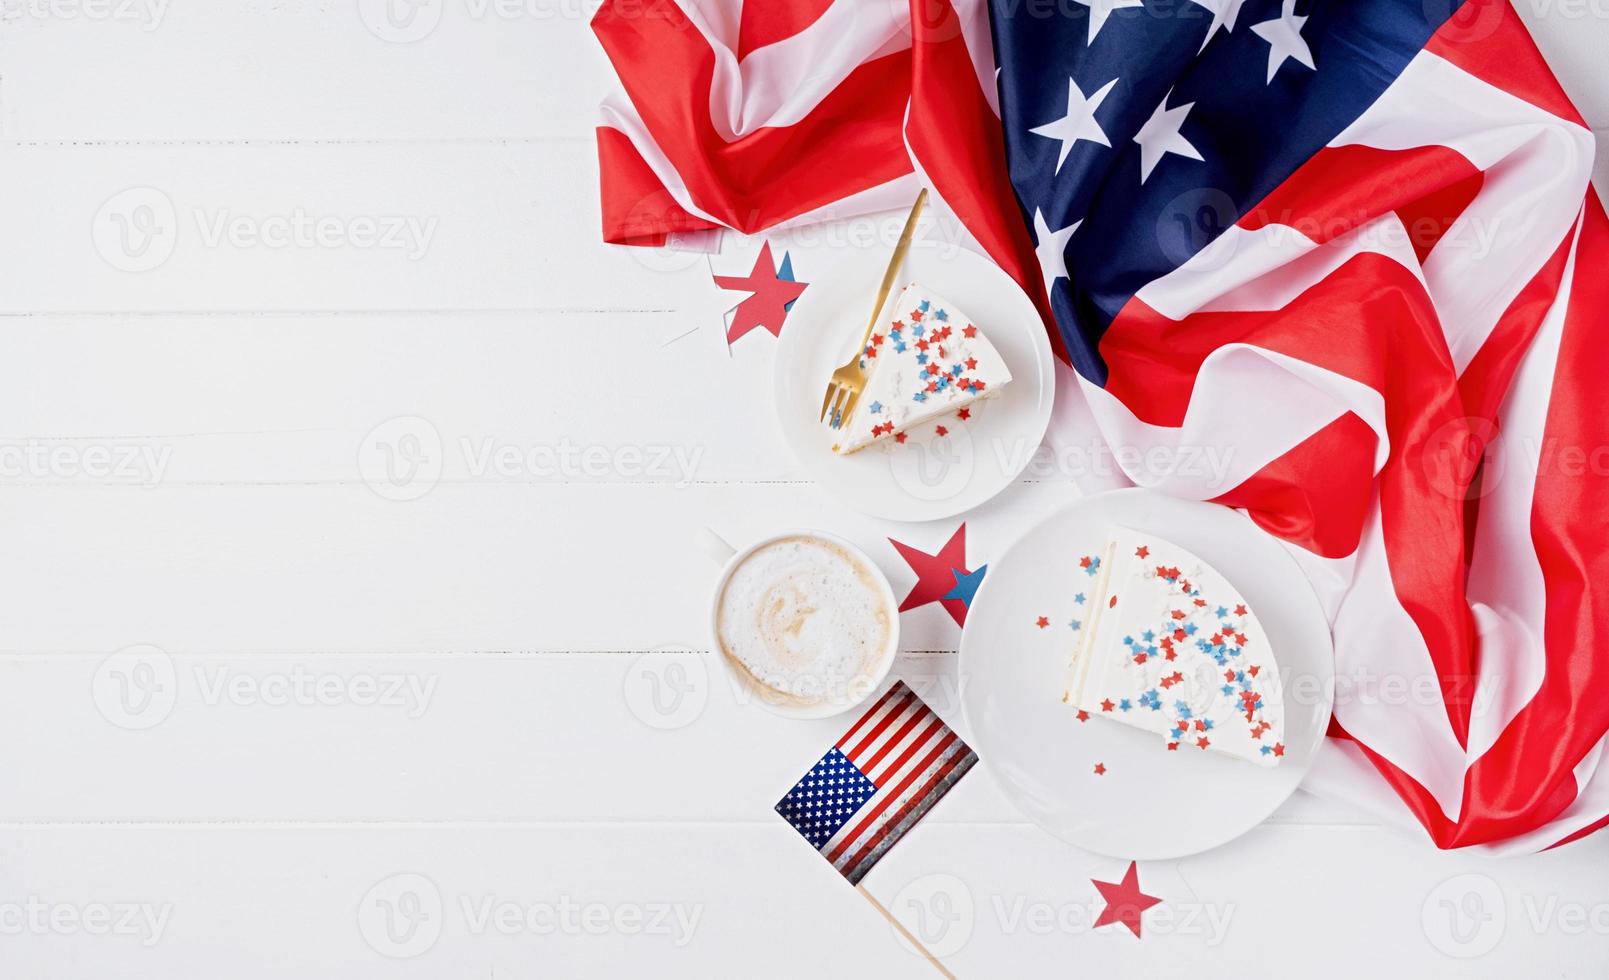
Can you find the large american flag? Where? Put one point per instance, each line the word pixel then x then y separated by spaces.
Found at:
pixel 876 782
pixel 1348 244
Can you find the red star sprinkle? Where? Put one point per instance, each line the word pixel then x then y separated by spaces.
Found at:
pixel 1125 902
pixel 899 324
pixel 1083 715
pixel 1203 742
pixel 1042 622
pixel 1083 562
pixel 916 315
pixel 941 430
pixel 964 414
pixel 1253 669
pixel 1107 705
pixel 1279 748
pixel 969 331
pixel 1100 768
pixel 1240 610
pixel 1173 746
pixel 1142 552
pixel 871 351
pixel 899 437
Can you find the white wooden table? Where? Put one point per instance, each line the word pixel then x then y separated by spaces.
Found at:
pixel 262 719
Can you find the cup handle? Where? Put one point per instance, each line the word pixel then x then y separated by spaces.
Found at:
pixel 715 546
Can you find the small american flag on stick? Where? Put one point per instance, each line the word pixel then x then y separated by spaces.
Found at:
pixel 876 782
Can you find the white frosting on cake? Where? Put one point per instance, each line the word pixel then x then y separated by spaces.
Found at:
pixel 925 360
pixel 1167 645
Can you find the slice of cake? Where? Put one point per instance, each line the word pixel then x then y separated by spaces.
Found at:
pixel 926 360
pixel 1167 645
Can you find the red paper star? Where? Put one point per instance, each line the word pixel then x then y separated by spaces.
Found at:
pixel 964 414
pixel 1083 715
pixel 899 437
pixel 1042 622
pixel 766 306
pixel 1142 552
pixel 1100 768
pixel 941 430
pixel 1125 902
pixel 937 575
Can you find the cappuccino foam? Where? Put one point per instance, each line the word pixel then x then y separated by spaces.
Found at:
pixel 805 618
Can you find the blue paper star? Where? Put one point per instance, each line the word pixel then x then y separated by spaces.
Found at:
pixel 966 585
pixel 785 272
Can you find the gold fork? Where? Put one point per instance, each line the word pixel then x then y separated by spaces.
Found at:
pixel 846 384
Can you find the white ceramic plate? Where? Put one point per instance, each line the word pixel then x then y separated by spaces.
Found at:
pixel 1150 803
pixel 929 477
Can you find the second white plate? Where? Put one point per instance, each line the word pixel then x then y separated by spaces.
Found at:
pixel 1146 803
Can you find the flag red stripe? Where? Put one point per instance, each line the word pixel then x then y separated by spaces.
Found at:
pixel 922 713
pixel 637 209
pixel 894 793
pixel 899 689
pixel 1487 39
pixel 893 714
pixel 849 142
pixel 912 803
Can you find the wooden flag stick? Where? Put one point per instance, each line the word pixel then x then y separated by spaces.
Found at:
pixel 899 927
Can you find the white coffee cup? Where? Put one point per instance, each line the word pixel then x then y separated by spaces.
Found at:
pixel 831 702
